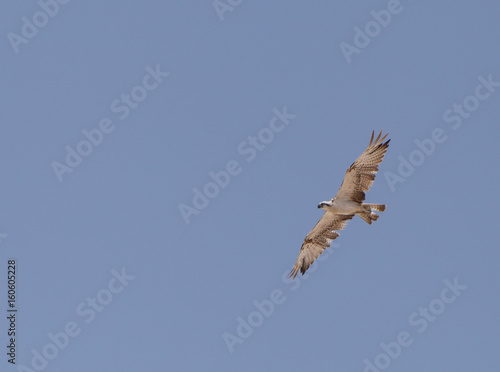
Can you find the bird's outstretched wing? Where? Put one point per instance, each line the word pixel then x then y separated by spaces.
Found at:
pixel 318 239
pixel 361 174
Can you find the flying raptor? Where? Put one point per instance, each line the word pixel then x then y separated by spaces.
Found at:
pixel 348 202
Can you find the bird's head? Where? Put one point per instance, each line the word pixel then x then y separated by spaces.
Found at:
pixel 324 204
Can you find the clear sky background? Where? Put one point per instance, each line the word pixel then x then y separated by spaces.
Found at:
pixel 192 283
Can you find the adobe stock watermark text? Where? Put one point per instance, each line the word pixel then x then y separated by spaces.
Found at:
pixel 12 310
pixel 249 150
pixel 454 118
pixel 223 6
pixel 87 310
pixel 420 320
pixel 122 108
pixel 30 26
pixel 262 310
pixel 363 36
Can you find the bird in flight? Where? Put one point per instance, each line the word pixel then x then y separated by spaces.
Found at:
pixel 348 202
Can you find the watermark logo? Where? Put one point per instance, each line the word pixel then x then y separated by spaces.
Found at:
pixel 31 26
pixel 363 37
pixel 454 116
pixel 461 111
pixel 88 310
pixel 121 106
pixel 245 326
pixel 3 236
pixel 223 6
pixel 249 150
pixel 244 329
pixel 420 320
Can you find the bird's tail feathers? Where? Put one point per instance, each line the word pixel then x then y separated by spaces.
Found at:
pixel 368 217
pixel 375 207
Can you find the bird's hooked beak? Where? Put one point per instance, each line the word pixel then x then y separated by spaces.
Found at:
pixel 324 204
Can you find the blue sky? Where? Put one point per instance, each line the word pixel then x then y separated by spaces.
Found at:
pixel 115 116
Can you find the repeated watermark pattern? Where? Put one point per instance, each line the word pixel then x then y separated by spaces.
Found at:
pixel 249 150
pixel 454 117
pixel 30 26
pixel 246 325
pixel 372 28
pixel 221 7
pixel 86 311
pixel 121 107
pixel 3 236
pixel 420 321
pixel 263 309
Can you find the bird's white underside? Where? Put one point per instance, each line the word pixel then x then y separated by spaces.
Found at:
pixel 348 202
pixel 342 206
